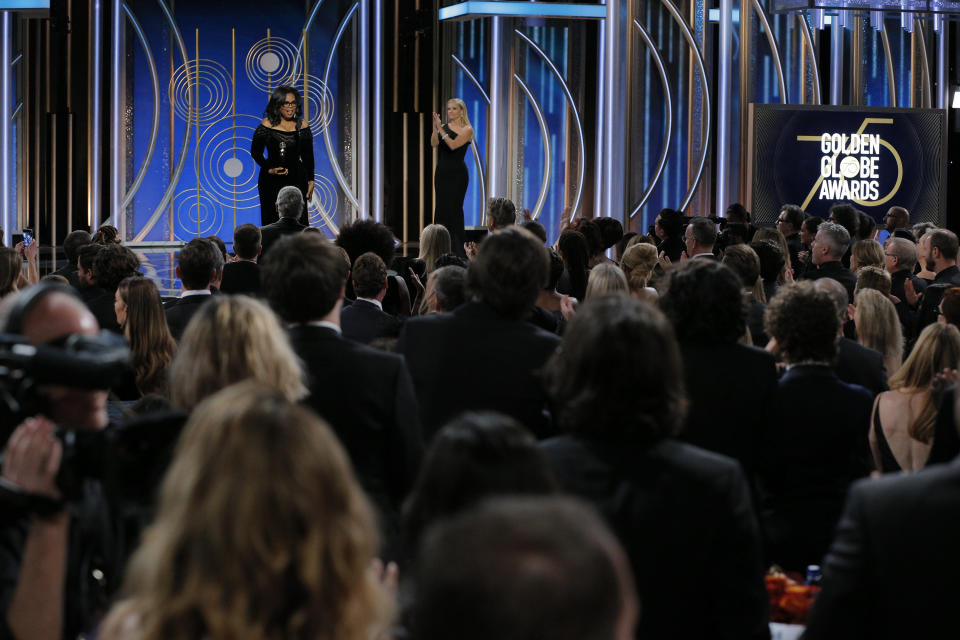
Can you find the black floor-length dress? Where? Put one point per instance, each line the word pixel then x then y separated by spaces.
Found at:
pixel 290 149
pixel 450 186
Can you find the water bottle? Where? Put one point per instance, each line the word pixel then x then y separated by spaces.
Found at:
pixel 814 576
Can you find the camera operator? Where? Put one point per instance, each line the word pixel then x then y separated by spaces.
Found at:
pixel 56 563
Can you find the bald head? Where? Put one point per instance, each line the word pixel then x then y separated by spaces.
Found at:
pixel 57 315
pixel 901 255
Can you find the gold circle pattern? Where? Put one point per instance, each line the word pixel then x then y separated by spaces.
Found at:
pixel 213 91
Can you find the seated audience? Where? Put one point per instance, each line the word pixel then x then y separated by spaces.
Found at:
pixel 486 340
pixel 904 418
pixel 501 213
pixel 746 264
pixel 474 457
pixel 889 570
pixel 199 268
pixel 289 208
pixel 445 290
pixel 829 246
pixel 854 363
pixel 789 223
pixel 261 531
pixel 229 340
pixel 674 507
pixel 866 253
pixel 704 304
pixel 573 249
pixel 364 320
pixel 669 229
pixel 878 327
pixel 86 255
pixel 434 242
pixel 875 278
pixel 71 245
pixel 140 314
pixel 772 235
pixel 816 445
pixel 525 569
pixel 605 278
pixel 112 264
pixel 243 274
pixel 772 265
pixel 365 236
pixel 365 395
pixel 638 263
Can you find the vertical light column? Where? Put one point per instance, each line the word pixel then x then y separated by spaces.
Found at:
pixel 363 150
pixel 599 164
pixel 94 160
pixel 943 62
pixel 116 120
pixel 498 147
pixel 836 61
pixel 614 73
pixel 6 104
pixel 376 151
pixel 725 61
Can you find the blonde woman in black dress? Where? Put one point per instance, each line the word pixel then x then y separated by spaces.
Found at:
pixel 288 143
pixel 450 178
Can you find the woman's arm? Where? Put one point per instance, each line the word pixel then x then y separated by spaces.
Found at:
pixel 435 136
pixel 257 146
pixel 456 140
pixel 872 437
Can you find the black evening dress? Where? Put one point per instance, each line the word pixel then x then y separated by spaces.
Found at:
pixel 450 184
pixel 290 149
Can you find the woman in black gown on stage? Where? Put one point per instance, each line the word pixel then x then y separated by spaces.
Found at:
pixel 450 179
pixel 288 142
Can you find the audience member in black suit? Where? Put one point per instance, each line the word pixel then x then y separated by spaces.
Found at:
pixel 445 290
pixel 788 223
pixel 829 245
pixel 86 255
pixel 943 249
pixel 668 228
pixel 703 302
pixel 746 264
pixel 854 363
pixel 676 508
pixel 364 320
pixel 699 238
pixel 524 568
pixel 71 245
pixel 817 444
pixel 199 267
pixel 484 356
pixel 365 395
pixel 365 236
pixel 289 208
pixel 848 217
pixel 808 231
pixel 900 258
pixel 889 572
pixel 243 274
pixel 112 264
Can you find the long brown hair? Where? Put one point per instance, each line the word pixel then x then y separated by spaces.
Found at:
pixel 262 533
pixel 151 344
pixel 937 348
pixel 10 267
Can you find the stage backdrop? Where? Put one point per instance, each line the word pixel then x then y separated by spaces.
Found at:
pixel 874 158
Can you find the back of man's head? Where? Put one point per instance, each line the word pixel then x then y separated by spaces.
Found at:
pixel 744 262
pixel 524 569
pixel 369 275
pixel 847 216
pixel 704 231
pixel 304 277
pixel 904 251
pixel 112 264
pixel 793 215
pixel 448 287
pixel 803 319
pixel 290 202
pixel 536 229
pixel 899 217
pixel 946 241
pixel 509 271
pixel 501 212
pixel 737 213
pixel 367 235
pixel 838 294
pixel 198 264
pixel 87 255
pixel 73 242
pixel 246 241
pixel 611 230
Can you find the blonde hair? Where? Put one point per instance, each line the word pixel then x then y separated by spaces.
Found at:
pixel 937 348
pixel 434 242
pixel 262 533
pixel 233 338
pixel 878 326
pixel 869 253
pixel 774 235
pixel 638 263
pixel 605 278
pixel 464 119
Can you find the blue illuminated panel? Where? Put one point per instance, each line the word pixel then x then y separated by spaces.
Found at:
pixel 474 9
pixel 24 4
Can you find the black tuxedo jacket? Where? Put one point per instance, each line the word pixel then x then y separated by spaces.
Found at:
pixel 857 364
pixel 101 305
pixel 719 419
pixel 270 233
pixel 367 398
pixel 180 310
pixel 241 277
pixel 834 270
pixel 69 271
pixel 473 359
pixel 362 321
pixel 795 246
pixel 891 570
pixel 946 279
pixel 676 509
pixel 815 447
